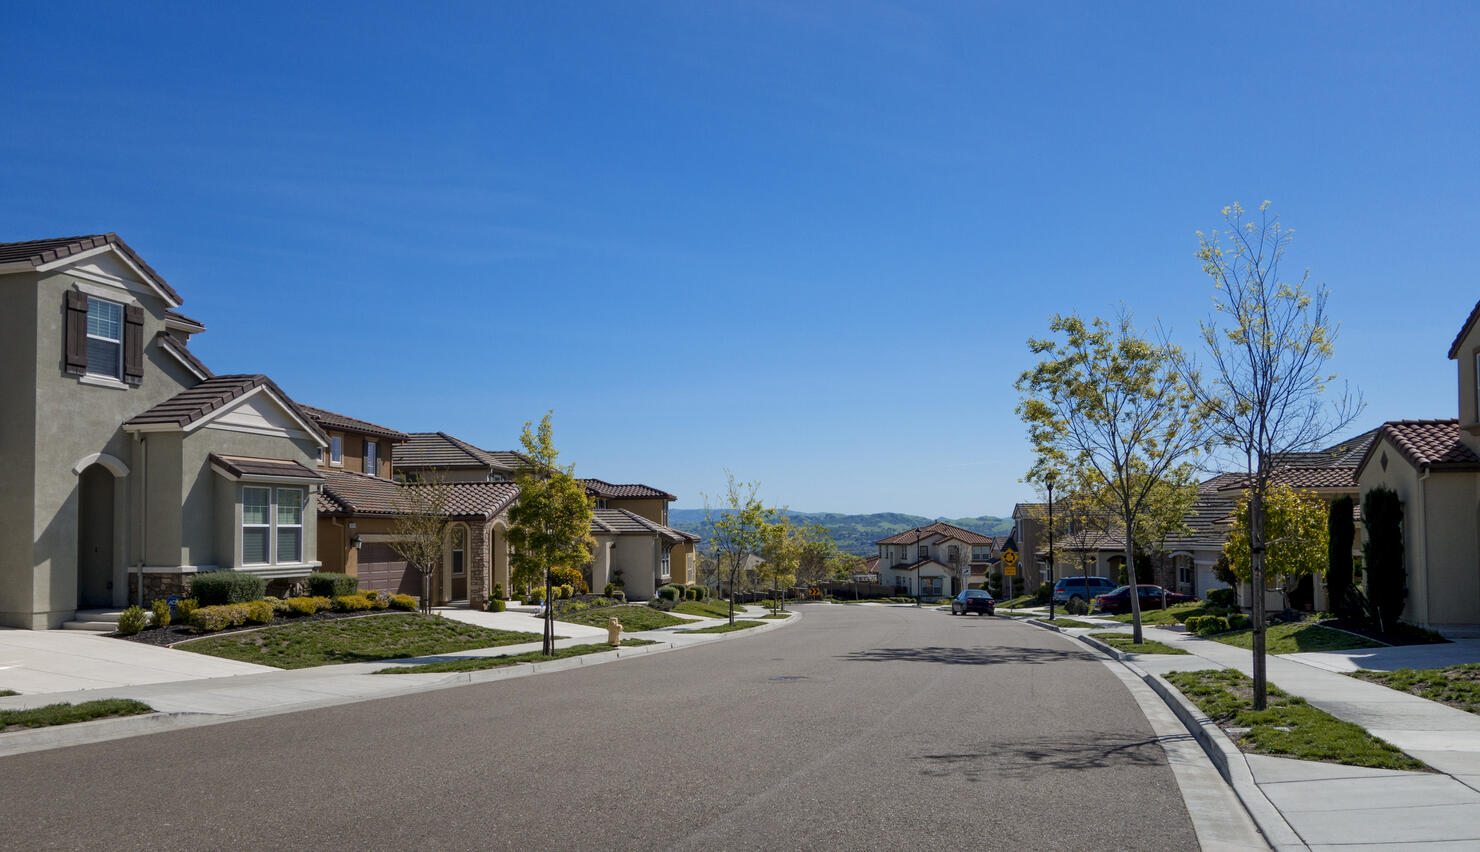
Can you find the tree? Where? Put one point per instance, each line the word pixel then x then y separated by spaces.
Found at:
pixel 1267 346
pixel 780 556
pixel 1165 513
pixel 1083 519
pixel 418 525
pixel 1296 538
pixel 551 524
pixel 1113 404
pixel 1382 555
pixel 818 557
pixel 739 530
pixel 1340 532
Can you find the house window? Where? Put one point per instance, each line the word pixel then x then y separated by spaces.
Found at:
pixel 924 551
pixel 104 338
pixel 981 552
pixel 459 551
pixel 1184 570
pixel 256 525
pixel 600 503
pixel 664 568
pixel 336 450
pixel 371 463
pixel 289 525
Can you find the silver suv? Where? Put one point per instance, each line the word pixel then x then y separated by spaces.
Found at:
pixel 1072 588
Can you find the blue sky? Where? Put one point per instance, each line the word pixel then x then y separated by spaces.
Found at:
pixel 805 242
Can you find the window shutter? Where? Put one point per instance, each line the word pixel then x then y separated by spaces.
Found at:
pixel 133 344
pixel 76 333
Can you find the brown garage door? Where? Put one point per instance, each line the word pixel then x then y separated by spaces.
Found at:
pixel 382 569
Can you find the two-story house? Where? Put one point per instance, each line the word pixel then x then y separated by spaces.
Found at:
pixel 129 466
pixel 678 557
pixel 934 560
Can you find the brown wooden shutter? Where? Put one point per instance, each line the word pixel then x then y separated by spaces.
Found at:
pixel 76 333
pixel 133 344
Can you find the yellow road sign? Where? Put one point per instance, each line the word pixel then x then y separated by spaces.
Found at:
pixel 1009 570
pixel 1009 557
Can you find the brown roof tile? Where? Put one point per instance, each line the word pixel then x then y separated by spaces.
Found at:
pixel 938 528
pixel 349 493
pixel 441 450
pixel 169 343
pixel 240 466
pixel 192 404
pixel 623 522
pixel 330 420
pixel 40 252
pixel 1427 443
pixel 1464 330
pixel 606 490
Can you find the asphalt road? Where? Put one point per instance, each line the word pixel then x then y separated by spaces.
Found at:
pixel 857 728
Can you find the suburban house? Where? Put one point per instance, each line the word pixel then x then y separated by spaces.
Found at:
pixel 649 504
pixel 130 466
pixel 934 560
pixel 1434 466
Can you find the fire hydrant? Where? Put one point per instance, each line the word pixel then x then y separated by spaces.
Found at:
pixel 614 632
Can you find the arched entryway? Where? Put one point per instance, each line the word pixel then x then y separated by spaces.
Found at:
pixel 95 537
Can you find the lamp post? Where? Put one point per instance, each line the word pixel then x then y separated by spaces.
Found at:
pixel 1048 480
pixel 917 567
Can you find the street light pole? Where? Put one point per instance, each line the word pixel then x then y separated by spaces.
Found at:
pixel 917 567
pixel 1049 481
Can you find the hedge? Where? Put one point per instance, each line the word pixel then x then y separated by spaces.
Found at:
pixel 671 593
pixel 330 584
pixel 216 588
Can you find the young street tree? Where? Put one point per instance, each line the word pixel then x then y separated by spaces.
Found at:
pixel 417 528
pixel 1296 537
pixel 550 525
pixel 739 529
pixel 1267 345
pixel 779 557
pixel 1109 402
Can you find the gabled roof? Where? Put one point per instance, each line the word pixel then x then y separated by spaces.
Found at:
pixel 870 565
pixel 922 564
pixel 439 449
pixel 606 490
pixel 1028 510
pixel 1205 521
pixel 1464 330
pixel 330 420
pixel 39 253
pixel 940 528
pixel 1333 468
pixel 623 522
pixel 346 492
pixel 182 353
pixel 246 467
pixel 194 404
pixel 1427 444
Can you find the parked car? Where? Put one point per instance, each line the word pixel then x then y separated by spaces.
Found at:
pixel 973 600
pixel 1152 597
pixel 1081 588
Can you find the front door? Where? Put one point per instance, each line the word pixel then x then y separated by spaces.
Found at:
pixel 95 538
pixel 459 591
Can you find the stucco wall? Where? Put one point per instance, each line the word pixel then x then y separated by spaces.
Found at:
pixel 637 558
pixel 1451 548
pixel 17 440
pixel 650 509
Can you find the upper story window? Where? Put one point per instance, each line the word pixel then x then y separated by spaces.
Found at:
pixel 336 450
pixel 924 551
pixel 665 570
pixel 372 462
pixel 981 552
pixel 104 338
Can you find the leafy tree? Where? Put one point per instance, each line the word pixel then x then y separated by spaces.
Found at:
pixel 739 531
pixel 1267 346
pixel 1341 532
pixel 418 526
pixel 1387 576
pixel 550 526
pixel 1165 513
pixel 780 556
pixel 1113 404
pixel 1297 541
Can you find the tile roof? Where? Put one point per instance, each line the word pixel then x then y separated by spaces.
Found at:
pixel 41 252
pixel 924 563
pixel 1205 521
pixel 623 522
pixel 1464 330
pixel 940 528
pixel 192 404
pixel 169 343
pixel 346 492
pixel 1427 443
pixel 1334 467
pixel 439 449
pixel 870 565
pixel 606 490
pixel 240 466
pixel 330 420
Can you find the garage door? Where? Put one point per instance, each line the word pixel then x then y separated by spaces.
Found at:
pixel 382 569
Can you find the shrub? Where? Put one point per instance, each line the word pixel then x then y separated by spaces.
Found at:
pixel 1226 598
pixel 216 588
pixel 352 603
pixel 131 621
pixel 496 604
pixel 1340 533
pixel 1238 622
pixel 1191 623
pixel 619 596
pixel 372 594
pixel 611 589
pixel 279 605
pixel 331 584
pixel 536 596
pixel 258 612
pixel 568 591
pixel 702 593
pixel 405 602
pixel 208 619
pixel 161 612
pixel 562 576
pixel 1076 606
pixel 1045 591
pixel 1207 625
pixel 184 608
pixel 670 593
pixel 308 605
pixel 498 592
pixel 1387 577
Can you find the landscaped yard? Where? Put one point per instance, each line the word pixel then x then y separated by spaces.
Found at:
pixel 1122 642
pixel 634 617
pixel 1287 727
pixel 474 664
pixel 1175 614
pixel 708 609
pixel 1066 622
pixel 1457 686
pixel 1294 638
pixel 66 714
pixel 777 616
pixel 724 628
pixel 354 640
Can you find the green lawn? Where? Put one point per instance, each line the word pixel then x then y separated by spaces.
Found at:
pixel 1122 642
pixel 354 640
pixel 1021 602
pixel 473 664
pixel 1457 686
pixel 634 617
pixel 1066 622
pixel 1293 638
pixel 7 692
pixel 1288 726
pixel 708 609
pixel 777 616
pixel 66 714
pixel 1175 614
pixel 724 628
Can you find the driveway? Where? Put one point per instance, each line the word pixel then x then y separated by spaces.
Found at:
pixel 41 661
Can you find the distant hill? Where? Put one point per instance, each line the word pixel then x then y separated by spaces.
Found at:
pixel 854 533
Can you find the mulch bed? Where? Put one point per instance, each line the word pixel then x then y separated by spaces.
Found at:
pixel 177 633
pixel 1412 636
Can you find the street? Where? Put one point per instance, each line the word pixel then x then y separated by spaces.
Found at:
pixel 857 728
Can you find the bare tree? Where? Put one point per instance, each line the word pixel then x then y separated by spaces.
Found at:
pixel 418 525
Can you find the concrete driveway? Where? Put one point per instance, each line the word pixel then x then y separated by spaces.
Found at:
pixel 41 661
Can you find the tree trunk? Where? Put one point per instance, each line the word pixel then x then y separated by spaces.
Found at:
pixel 1130 574
pixel 1256 561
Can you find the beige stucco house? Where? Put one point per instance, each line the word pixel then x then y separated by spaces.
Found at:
pixel 935 560
pixel 129 466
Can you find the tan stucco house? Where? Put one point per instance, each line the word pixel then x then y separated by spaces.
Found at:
pixel 934 560
pixel 130 467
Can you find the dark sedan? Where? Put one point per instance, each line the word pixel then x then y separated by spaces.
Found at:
pixel 1152 597
pixel 973 600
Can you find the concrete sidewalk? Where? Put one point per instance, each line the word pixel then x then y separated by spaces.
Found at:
pixel 1331 806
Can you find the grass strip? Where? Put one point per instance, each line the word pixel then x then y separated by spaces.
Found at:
pixel 1294 638
pixel 723 628
pixel 474 664
pixel 354 640
pixel 1457 686
pixel 1122 642
pixel 1288 726
pixel 707 609
pixel 777 616
pixel 67 714
pixel 1066 622
pixel 1174 614
pixel 6 693
pixel 634 617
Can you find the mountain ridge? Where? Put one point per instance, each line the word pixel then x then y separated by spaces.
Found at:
pixel 854 533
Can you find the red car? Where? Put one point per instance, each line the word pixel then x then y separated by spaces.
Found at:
pixel 1152 597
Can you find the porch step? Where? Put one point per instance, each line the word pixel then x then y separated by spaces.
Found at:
pixel 94 626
